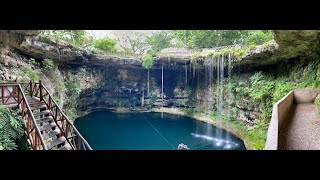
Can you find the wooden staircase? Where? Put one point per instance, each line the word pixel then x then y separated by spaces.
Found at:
pixel 46 126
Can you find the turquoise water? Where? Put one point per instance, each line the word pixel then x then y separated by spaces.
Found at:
pixel 106 130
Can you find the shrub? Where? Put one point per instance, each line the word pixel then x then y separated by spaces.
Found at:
pixel 48 64
pixel 106 44
pixel 11 129
pixel 32 61
pixel 33 74
pixel 147 60
pixel 258 37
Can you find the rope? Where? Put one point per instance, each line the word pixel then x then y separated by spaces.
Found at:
pixel 159 133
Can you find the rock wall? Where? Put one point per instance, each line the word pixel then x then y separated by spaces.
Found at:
pixel 122 82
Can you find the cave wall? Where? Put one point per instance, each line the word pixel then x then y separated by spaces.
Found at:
pixel 122 82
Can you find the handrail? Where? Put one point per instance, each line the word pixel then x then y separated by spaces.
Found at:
pixel 66 118
pixel 36 89
pixel 32 117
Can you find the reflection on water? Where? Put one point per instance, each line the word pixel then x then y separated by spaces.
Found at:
pixel 149 131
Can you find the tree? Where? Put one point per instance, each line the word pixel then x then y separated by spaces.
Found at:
pixel 159 40
pixel 75 37
pixel 216 38
pixel 134 43
pixel 105 44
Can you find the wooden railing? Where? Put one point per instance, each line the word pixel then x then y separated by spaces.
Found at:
pixel 73 136
pixel 13 94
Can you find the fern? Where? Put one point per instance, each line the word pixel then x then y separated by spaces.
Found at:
pixel 11 128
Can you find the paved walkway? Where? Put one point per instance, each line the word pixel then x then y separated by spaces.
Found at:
pixel 301 130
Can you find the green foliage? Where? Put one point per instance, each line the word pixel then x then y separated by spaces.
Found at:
pixel 317 103
pixel 210 38
pixel 77 38
pixel 48 64
pixel 148 59
pixel 258 37
pixel 282 87
pixel 11 128
pixel 214 114
pixel 32 61
pixel 73 88
pixel 159 40
pixel 105 44
pixel 73 81
pixel 138 46
pixel 199 110
pixel 28 72
pixel 188 111
pixel 260 89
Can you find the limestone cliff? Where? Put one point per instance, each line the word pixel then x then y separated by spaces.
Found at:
pixel 113 82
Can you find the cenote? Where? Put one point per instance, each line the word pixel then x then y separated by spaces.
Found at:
pixel 105 130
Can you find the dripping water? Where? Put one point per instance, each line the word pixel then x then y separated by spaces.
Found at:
pixel 162 89
pixel 148 90
pixel 186 70
pixel 230 96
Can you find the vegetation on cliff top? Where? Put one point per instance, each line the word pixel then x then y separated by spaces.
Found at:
pixel 151 45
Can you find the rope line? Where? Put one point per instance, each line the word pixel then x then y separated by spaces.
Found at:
pixel 159 133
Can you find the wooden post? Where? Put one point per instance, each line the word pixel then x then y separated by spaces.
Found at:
pixel 49 104
pixel 30 88
pixel 19 97
pixel 56 115
pixel 36 140
pixel 41 90
pixel 2 94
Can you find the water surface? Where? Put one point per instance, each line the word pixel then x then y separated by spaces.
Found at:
pixel 106 130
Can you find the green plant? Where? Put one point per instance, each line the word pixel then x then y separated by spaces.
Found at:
pixel 147 60
pixel 28 72
pixel 48 64
pixel 77 38
pixel 105 44
pixel 11 129
pixel 188 111
pixel 32 61
pixel 214 114
pixel 159 40
pixel 258 37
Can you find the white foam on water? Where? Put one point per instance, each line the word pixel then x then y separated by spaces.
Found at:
pixel 216 141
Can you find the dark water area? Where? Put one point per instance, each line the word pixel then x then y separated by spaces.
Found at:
pixel 106 130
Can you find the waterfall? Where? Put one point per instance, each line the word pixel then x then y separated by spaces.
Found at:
pixel 230 96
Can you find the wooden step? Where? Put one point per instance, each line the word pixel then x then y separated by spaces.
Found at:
pixel 36 104
pixel 56 142
pixel 33 98
pixel 48 126
pixel 51 134
pixel 41 113
pixel 45 119
pixel 38 107
pixel 65 147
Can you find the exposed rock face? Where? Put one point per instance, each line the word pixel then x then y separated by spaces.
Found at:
pixel 123 81
pixel 288 44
